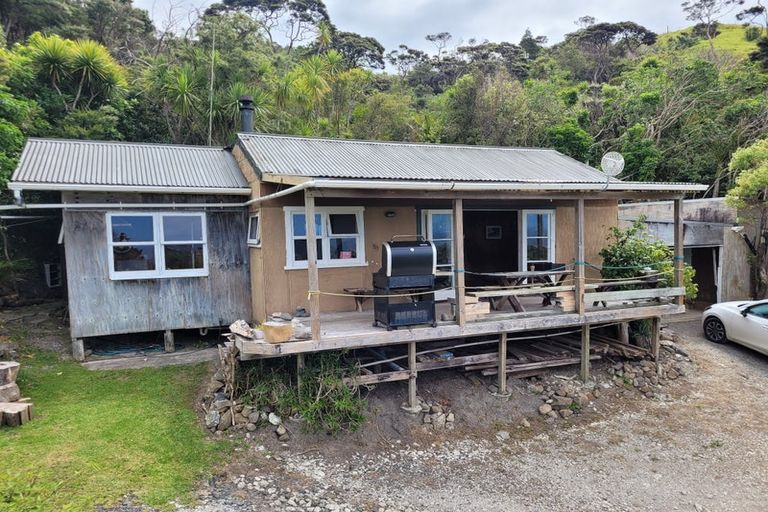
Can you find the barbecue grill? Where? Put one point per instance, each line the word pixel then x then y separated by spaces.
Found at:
pixel 407 269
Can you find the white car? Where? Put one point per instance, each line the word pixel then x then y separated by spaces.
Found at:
pixel 743 322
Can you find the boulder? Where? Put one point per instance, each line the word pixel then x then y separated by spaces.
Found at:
pixel 254 417
pixel 226 420
pixel 274 419
pixel 212 419
pixel 9 392
pixel 281 430
pixel 545 409
pixel 9 370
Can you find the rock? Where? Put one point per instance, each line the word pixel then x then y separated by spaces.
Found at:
pixel 427 418
pixel 301 313
pixel 9 392
pixel 565 413
pixel 536 389
pixel 212 419
pixel 274 419
pixel 281 430
pixel 251 427
pixel 439 421
pixel 221 405
pixel 596 393
pixel 213 387
pixel 254 417
pixel 525 423
pixel 502 435
pixel 561 402
pixel 450 417
pixel 493 388
pixel 545 409
pixel 226 420
pixel 240 419
pixel 284 438
pixel 672 375
pixel 435 409
pixel 8 352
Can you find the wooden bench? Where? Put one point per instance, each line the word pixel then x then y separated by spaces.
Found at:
pixel 521 292
pixel 361 295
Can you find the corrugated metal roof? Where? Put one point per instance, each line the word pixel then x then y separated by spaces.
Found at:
pixel 339 158
pixel 56 163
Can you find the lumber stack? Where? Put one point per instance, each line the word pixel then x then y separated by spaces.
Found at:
pixel 14 410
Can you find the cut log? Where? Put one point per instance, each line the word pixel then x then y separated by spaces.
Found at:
pixel 9 392
pixel 15 414
pixel 8 372
pixel 277 332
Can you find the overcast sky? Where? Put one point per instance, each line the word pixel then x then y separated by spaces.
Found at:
pixel 393 22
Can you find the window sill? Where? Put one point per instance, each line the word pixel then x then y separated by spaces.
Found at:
pixel 328 265
pixel 148 277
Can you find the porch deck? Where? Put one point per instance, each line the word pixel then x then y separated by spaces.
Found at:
pixel 354 330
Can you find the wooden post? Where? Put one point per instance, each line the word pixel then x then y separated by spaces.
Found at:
pixel 299 369
pixel 624 332
pixel 580 265
pixel 413 403
pixel 655 334
pixel 314 278
pixel 585 353
pixel 458 260
pixel 170 346
pixel 78 349
pixel 679 236
pixel 502 391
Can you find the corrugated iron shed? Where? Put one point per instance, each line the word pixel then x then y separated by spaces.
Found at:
pixel 58 164
pixel 354 159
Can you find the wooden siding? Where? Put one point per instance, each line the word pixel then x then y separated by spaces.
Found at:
pixel 99 306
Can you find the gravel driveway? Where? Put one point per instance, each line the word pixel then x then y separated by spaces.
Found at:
pixel 702 447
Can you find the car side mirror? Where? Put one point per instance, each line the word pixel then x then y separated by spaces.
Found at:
pixel 744 312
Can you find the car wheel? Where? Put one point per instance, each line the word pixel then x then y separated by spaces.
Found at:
pixel 714 330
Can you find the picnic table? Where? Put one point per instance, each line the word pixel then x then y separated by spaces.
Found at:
pixel 360 295
pixel 549 283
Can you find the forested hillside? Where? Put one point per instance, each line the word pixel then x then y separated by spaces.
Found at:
pixel 677 106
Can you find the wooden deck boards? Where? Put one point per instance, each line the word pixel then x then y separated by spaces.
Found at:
pixel 355 330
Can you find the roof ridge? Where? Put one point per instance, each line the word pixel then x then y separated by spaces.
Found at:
pixel 396 142
pixel 125 143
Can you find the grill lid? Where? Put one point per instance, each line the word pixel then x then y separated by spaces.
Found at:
pixel 408 258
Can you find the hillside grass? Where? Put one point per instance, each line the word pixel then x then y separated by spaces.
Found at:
pixel 101 435
pixel 731 39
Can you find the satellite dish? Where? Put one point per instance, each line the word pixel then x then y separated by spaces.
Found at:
pixel 612 163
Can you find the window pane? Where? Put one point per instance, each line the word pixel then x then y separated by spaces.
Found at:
pixel 538 249
pixel 253 231
pixel 343 223
pixel 300 250
pixel 134 257
pixel 343 248
pixel 131 228
pixel 182 228
pixel 183 256
pixel 300 225
pixel 760 310
pixel 441 226
pixel 443 252
pixel 538 224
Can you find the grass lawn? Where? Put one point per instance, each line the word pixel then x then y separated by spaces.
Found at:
pixel 100 435
pixel 731 39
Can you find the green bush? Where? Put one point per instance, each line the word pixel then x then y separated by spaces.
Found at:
pixel 632 250
pixel 324 400
pixel 752 33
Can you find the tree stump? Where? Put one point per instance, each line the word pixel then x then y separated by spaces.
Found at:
pixel 8 372
pixel 14 414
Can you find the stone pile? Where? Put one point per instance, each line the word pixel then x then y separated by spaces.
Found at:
pixel 564 399
pixel 222 414
pixel 436 416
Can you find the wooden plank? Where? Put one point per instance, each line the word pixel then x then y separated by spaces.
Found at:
pixel 458 260
pixel 549 363
pixel 413 403
pixel 438 364
pixel 579 278
pixel 511 323
pixel 521 292
pixel 585 331
pixel 679 241
pixel 655 335
pixel 646 293
pixel 314 277
pixel 378 378
pixel 154 360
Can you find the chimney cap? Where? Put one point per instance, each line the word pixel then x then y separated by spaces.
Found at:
pixel 246 102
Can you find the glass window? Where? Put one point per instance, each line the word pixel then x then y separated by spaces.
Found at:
pixel 254 231
pixel 339 236
pixel 760 310
pixel 156 245
pixel 132 228
pixel 539 240
pixel 442 227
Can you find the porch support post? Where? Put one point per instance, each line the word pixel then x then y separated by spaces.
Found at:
pixel 299 369
pixel 585 353
pixel 679 235
pixel 655 335
pixel 580 264
pixel 502 369
pixel 413 402
pixel 314 279
pixel 168 340
pixel 458 260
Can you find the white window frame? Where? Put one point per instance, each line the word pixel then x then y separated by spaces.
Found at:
pixel 159 243
pixel 254 242
pixel 325 237
pixel 442 269
pixel 524 237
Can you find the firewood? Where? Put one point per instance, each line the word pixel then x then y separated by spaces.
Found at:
pixel 8 372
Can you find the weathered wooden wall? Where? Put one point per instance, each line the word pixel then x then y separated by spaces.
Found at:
pixel 99 306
